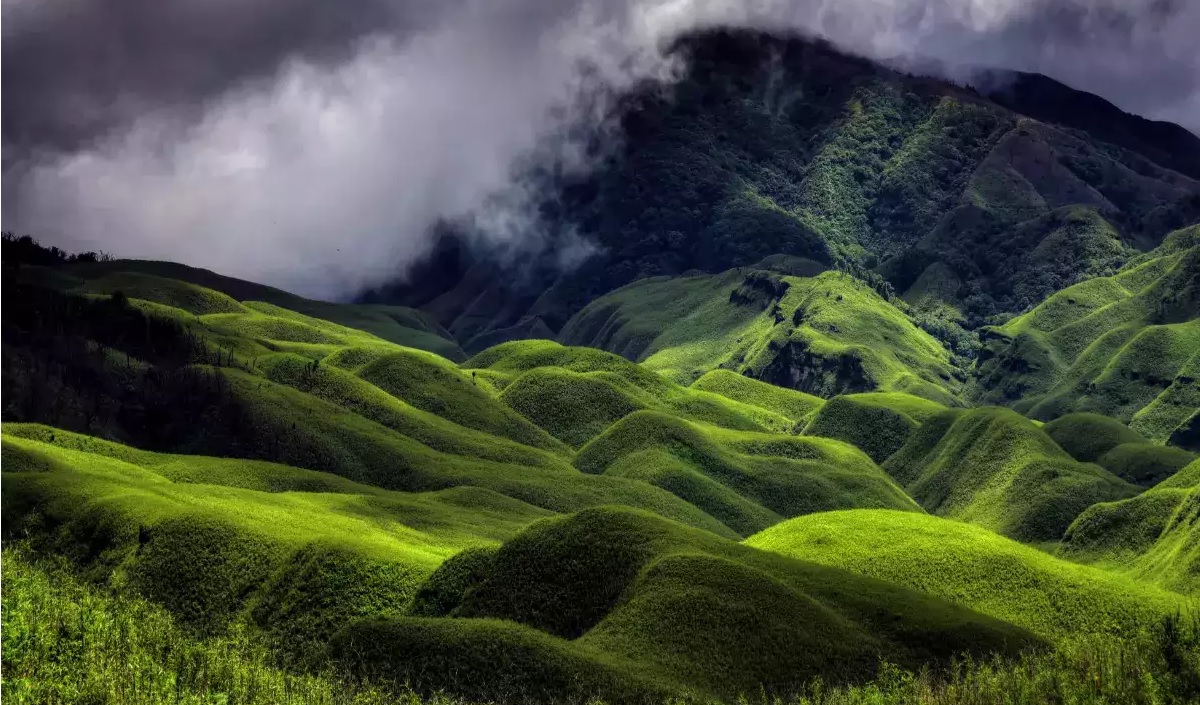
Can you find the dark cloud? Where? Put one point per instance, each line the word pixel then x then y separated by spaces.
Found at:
pixel 311 143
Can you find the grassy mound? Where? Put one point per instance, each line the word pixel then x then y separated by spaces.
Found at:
pixel 823 335
pixel 874 427
pixel 995 468
pixel 432 384
pixel 1152 537
pixel 575 393
pixel 747 480
pixel 793 405
pixel 975 568
pixel 1145 464
pixel 622 587
pixel 1088 436
pixel 572 407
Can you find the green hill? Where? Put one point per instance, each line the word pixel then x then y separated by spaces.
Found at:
pixel 824 335
pixel 201 291
pixel 994 468
pixel 1123 346
pixel 793 405
pixel 613 595
pixel 576 393
pixel 747 480
pixel 1152 537
pixel 208 537
pixel 975 568
pixel 876 422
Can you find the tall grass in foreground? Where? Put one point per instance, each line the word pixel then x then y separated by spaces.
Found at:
pixel 65 642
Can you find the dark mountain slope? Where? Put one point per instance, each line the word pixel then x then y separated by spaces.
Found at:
pixel 786 147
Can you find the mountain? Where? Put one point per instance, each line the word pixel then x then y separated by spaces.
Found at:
pixel 879 389
pixel 968 205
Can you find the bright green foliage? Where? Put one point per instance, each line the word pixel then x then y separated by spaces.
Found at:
pixel 210 551
pixel 1153 536
pixel 747 480
pixel 1087 437
pixel 874 427
pixel 975 568
pixel 794 406
pixel 1124 346
pixel 575 393
pixel 823 335
pixel 994 468
pixel 65 642
pixel 647 595
pixel 334 385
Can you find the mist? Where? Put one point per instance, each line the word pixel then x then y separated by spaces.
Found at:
pixel 314 145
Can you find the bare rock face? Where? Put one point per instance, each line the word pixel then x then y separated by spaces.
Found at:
pixel 797 367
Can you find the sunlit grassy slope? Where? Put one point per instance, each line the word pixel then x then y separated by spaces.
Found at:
pixel 747 480
pixel 610 599
pixel 823 335
pixel 209 537
pixel 575 393
pixel 200 291
pixel 992 467
pixel 975 568
pixel 1126 346
pixel 1154 537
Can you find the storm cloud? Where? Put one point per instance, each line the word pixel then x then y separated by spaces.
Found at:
pixel 312 144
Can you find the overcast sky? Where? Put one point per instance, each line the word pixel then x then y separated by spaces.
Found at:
pixel 311 143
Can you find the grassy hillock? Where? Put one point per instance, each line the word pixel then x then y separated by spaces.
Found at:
pixel 1152 537
pixel 975 568
pixel 576 393
pixel 1123 346
pixel 610 593
pixel 992 467
pixel 747 480
pixel 823 335
pixel 792 405
pixel 877 423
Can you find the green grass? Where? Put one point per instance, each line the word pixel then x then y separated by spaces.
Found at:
pixel 1145 464
pixel 747 480
pixel 201 292
pixel 1152 537
pixel 212 553
pixel 65 641
pixel 823 335
pixel 576 393
pixel 997 469
pixel 974 568
pixel 877 428
pixel 793 405
pixel 1087 437
pixel 1123 346
pixel 617 590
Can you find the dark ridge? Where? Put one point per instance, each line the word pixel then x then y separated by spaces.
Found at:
pixel 1045 99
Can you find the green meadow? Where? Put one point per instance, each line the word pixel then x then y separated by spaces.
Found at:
pixel 755 485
